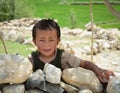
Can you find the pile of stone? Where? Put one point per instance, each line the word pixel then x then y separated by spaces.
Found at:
pixel 16 76
pixel 23 24
pixel 17 30
pixel 67 46
pixel 103 39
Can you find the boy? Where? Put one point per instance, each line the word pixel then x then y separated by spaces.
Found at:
pixel 46 36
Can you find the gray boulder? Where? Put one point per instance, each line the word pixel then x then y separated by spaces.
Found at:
pixel 82 78
pixel 14 69
pixel 14 89
pixel 114 85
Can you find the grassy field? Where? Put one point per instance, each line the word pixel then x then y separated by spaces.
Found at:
pixel 16 48
pixel 74 15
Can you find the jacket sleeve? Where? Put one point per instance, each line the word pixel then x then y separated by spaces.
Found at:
pixel 69 60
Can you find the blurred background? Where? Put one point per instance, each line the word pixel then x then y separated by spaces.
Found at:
pixel 68 13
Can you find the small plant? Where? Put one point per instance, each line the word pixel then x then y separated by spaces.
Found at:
pixel 73 19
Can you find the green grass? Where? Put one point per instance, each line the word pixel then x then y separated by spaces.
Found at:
pixel 14 48
pixel 63 12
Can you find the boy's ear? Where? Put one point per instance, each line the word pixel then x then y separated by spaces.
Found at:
pixel 59 40
pixel 34 41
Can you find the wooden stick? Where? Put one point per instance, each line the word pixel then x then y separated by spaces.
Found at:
pixel 91 16
pixel 3 44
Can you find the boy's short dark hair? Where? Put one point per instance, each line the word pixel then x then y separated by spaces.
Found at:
pixel 46 24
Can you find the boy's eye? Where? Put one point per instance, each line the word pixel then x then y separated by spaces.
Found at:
pixel 41 40
pixel 51 40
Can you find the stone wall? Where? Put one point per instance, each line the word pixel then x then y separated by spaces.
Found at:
pixel 16 76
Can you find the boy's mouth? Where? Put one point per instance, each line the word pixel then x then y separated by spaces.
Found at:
pixel 46 50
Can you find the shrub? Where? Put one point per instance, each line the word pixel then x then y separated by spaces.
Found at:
pixel 11 9
pixel 7 9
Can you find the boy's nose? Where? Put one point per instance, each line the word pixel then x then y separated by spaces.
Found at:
pixel 47 43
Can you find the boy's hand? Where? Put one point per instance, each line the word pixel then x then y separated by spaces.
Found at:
pixel 105 75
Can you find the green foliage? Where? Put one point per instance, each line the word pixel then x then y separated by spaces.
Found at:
pixel 11 9
pixel 7 9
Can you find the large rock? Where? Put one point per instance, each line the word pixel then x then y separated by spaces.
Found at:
pixel 114 85
pixel 82 78
pixel 85 91
pixel 68 88
pixel 14 89
pixel 14 69
pixel 34 91
pixel 52 73
pixel 35 79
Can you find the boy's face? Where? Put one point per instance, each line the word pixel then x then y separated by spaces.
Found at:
pixel 46 42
